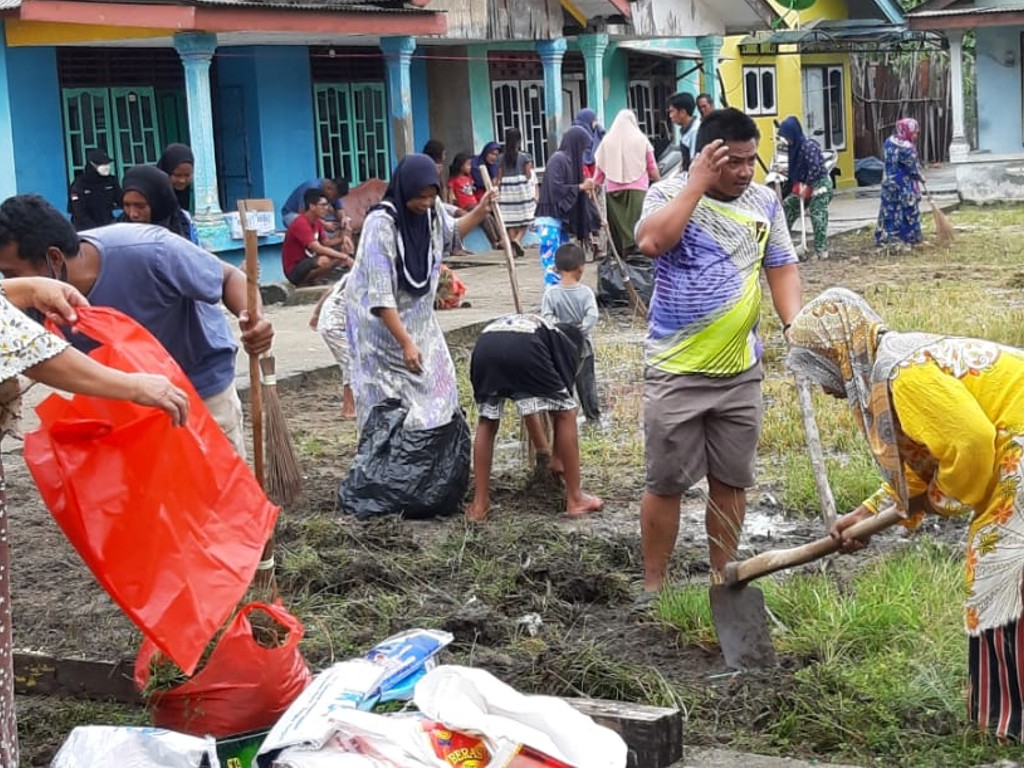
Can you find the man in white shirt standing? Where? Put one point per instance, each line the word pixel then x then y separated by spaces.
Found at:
pixel 681 109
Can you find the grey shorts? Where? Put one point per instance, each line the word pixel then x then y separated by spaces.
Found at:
pixel 493 408
pixel 696 426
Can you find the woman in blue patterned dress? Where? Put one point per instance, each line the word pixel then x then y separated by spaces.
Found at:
pixel 899 217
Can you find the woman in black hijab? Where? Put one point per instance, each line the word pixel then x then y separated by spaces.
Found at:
pixel 178 163
pixel 94 194
pixel 398 348
pixel 147 197
pixel 565 209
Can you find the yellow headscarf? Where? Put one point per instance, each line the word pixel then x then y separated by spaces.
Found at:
pixel 838 341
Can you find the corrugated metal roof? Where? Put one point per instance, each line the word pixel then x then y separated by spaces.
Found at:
pixel 7 5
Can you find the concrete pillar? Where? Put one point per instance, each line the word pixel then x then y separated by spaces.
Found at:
pixel 593 47
pixel 196 51
pixel 958 147
pixel 398 57
pixel 710 46
pixel 551 53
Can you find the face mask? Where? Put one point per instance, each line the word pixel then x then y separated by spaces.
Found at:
pixel 103 170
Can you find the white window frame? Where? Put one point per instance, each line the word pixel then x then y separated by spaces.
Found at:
pixel 756 106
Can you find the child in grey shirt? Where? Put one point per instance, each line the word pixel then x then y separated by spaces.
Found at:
pixel 572 302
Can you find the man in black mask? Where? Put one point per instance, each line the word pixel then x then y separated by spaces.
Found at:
pixel 95 193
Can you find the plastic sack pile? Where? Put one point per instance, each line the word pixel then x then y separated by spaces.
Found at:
pixel 463 717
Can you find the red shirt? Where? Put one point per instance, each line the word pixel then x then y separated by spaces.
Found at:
pixel 462 191
pixel 300 235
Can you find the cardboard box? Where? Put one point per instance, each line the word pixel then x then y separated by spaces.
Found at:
pixel 259 215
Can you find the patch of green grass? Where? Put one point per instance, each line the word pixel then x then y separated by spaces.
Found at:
pixel 888 673
pixel 852 477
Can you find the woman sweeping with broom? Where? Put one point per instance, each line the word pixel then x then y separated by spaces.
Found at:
pixel 899 216
pixel 944 418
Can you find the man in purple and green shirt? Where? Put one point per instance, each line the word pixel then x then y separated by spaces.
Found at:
pixel 713 233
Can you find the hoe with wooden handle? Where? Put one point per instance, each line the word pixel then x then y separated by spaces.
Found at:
pixel 738 610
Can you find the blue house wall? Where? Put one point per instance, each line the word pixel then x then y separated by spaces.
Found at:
pixel 998 76
pixel 31 121
pixel 277 92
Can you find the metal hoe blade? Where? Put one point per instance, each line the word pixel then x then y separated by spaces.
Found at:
pixel 742 625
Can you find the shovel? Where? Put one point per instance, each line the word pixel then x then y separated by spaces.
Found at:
pixel 738 610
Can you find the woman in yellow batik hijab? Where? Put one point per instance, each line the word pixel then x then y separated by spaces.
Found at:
pixel 944 418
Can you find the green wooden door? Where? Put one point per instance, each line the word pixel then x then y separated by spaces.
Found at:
pixel 120 121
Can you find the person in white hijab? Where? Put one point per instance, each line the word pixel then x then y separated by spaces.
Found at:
pixel 626 166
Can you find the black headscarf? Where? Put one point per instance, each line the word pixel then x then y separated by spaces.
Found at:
pixel 413 174
pixel 480 161
pixel 173 156
pixel 155 185
pixel 560 197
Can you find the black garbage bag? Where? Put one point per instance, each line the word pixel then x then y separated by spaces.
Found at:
pixel 611 290
pixel 415 473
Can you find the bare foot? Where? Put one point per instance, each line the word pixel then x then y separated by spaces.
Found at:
pixel 583 506
pixel 477 513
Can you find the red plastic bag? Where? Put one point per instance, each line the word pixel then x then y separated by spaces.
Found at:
pixel 243 687
pixel 170 520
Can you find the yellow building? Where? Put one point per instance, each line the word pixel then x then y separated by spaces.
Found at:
pixel 803 69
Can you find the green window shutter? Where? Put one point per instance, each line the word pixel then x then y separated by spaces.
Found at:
pixel 352 131
pixel 87 125
pixel 136 130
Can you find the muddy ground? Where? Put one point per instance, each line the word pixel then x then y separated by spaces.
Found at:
pixel 542 601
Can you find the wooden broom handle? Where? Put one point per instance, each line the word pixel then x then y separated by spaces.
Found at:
pixel 739 573
pixel 506 244
pixel 252 288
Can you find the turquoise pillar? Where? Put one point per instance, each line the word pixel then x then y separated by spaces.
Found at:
pixel 551 53
pixel 196 51
pixel 593 48
pixel 709 47
pixel 398 57
pixel 8 186
pixel 616 79
pixel 481 102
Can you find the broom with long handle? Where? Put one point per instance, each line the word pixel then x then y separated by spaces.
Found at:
pixel 944 231
pixel 279 475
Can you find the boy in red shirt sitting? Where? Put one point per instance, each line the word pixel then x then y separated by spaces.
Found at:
pixel 304 257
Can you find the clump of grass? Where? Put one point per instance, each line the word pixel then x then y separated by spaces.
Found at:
pixel 853 478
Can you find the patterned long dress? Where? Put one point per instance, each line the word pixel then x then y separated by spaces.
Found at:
pixel 899 215
pixel 961 438
pixel 944 418
pixel 23 344
pixel 378 366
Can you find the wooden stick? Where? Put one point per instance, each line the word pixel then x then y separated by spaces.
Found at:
pixel 635 302
pixel 264 576
pixel 252 275
pixel 739 573
pixel 510 262
pixel 818 467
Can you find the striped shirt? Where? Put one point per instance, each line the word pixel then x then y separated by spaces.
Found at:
pixel 707 293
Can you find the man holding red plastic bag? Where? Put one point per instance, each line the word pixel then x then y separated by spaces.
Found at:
pixel 25 347
pixel 176 527
pixel 168 285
